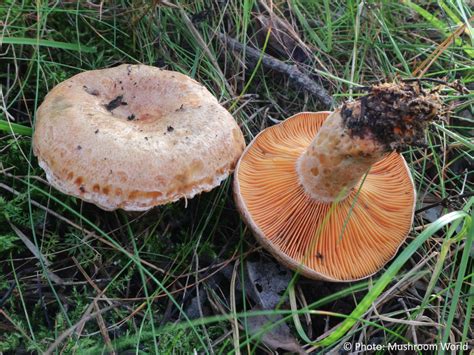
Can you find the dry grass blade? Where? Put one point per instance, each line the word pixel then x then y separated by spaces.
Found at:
pixel 205 47
pixel 424 66
pixel 234 322
pixel 34 250
pixel 9 319
pixel 176 279
pixel 103 329
pixel 86 318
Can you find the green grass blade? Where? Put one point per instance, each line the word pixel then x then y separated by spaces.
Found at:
pixel 309 30
pixel 431 18
pixel 15 128
pixel 119 247
pixel 450 12
pixel 389 275
pixel 456 137
pixel 329 26
pixel 395 45
pixel 440 25
pixel 47 43
pixel 459 282
pixel 470 306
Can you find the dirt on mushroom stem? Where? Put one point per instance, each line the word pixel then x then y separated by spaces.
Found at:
pixel 360 133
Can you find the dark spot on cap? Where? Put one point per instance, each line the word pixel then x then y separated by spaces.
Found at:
pixel 79 147
pixel 170 129
pixel 131 117
pixel 115 103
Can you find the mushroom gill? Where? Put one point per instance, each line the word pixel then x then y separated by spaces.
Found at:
pixel 330 239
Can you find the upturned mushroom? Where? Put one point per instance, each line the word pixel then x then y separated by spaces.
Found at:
pixel 134 137
pixel 327 193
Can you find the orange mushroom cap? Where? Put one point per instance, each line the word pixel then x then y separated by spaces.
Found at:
pixel 134 137
pixel 327 193
pixel 341 241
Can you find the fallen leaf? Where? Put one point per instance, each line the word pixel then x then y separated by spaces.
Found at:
pixel 267 282
pixel 277 337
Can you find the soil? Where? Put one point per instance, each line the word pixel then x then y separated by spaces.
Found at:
pixel 395 114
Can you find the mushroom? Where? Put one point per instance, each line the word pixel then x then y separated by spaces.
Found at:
pixel 134 136
pixel 327 193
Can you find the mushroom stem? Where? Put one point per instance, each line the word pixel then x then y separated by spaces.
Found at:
pixel 360 133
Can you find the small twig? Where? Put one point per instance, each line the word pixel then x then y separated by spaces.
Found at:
pixel 445 202
pixel 456 85
pixel 297 78
pixel 103 329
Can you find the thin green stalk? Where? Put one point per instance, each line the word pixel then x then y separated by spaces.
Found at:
pixel 140 267
pixel 15 128
pixel 459 282
pixel 388 276
pixel 47 43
